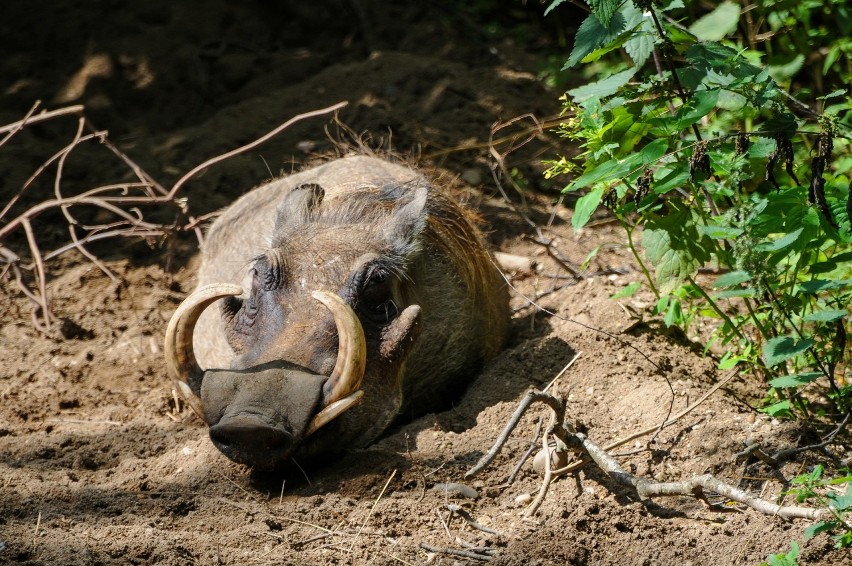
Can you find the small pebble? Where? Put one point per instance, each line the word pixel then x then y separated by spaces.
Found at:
pixel 523 498
pixel 456 490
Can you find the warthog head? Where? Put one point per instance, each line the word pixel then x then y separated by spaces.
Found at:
pixel 322 339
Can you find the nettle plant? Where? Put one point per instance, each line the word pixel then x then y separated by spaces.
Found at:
pixel 733 193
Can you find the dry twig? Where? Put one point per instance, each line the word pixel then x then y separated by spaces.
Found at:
pixel 122 203
pixel 698 486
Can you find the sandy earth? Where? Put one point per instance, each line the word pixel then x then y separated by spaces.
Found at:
pixel 98 466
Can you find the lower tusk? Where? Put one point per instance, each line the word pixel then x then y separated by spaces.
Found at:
pixel 351 362
pixel 189 398
pixel 179 356
pixel 333 411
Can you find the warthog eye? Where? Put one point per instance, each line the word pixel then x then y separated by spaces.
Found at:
pixel 375 299
pixel 257 286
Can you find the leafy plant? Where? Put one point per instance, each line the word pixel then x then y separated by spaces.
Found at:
pixel 789 558
pixel 693 143
pixel 813 486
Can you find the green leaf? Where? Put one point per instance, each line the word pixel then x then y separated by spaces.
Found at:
pixel 553 5
pixel 592 34
pixel 834 94
pixel 604 9
pixel 822 267
pixel 640 44
pixel 731 279
pixel 817 285
pixel 783 71
pixel 783 122
pixel 827 315
pixel 782 348
pixel 674 246
pixel 780 409
pixel 606 171
pixel 795 380
pixel 585 207
pixel 674 314
pixel 604 87
pixel 780 243
pixel 628 291
pixel 817 528
pixel 721 232
pixel 701 103
pixel 653 151
pixel 718 23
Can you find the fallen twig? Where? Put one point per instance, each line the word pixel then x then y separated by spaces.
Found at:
pixel 455 552
pixel 458 510
pixel 698 486
pixel 527 454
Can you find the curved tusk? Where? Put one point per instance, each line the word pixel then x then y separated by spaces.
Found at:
pixel 351 362
pixel 332 411
pixel 180 359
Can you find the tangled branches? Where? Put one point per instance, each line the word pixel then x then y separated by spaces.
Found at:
pixel 117 208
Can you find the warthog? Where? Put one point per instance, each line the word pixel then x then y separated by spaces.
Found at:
pixel 370 295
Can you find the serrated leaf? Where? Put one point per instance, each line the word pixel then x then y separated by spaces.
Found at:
pixel 604 87
pixel 731 279
pixel 674 246
pixel 718 23
pixel 585 207
pixel 604 9
pixel 795 380
pixel 782 348
pixel 640 45
pixel 592 34
pixel 827 315
pixel 607 48
pixel 780 123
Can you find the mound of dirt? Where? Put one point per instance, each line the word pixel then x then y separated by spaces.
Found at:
pixel 98 465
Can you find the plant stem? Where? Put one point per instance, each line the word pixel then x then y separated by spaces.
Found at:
pixel 716 308
pixel 629 230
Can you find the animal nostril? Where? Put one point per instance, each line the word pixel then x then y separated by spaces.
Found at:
pixel 248 434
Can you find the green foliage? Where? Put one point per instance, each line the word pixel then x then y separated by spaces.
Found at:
pixel 704 151
pixel 785 559
pixel 830 494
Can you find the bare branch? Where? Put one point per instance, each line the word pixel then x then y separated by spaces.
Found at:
pixel 255 143
pixel 699 486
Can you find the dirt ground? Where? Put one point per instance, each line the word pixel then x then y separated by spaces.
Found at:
pixel 96 467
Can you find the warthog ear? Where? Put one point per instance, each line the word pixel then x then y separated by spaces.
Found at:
pixel 402 230
pixel 298 206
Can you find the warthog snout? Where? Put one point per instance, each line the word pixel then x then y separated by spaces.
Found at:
pixel 258 416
